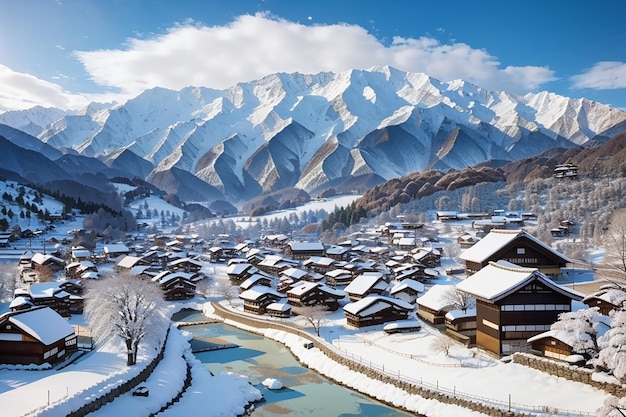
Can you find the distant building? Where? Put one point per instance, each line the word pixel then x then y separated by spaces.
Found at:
pixel 568 170
pixel 515 246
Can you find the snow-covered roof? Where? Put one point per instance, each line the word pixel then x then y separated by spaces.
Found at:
pixel 279 307
pixel 40 258
pixel 374 303
pixel 43 289
pixel 319 260
pixel 306 246
pixel 44 324
pixel 294 273
pixel 128 261
pixel 116 248
pixel 20 301
pixel 497 239
pixel 303 288
pixel 566 336
pixel 612 295
pixel 238 268
pixel 250 282
pixel 337 273
pixel 258 291
pixel 499 279
pixel 81 253
pixel 185 261
pixel 436 297
pixel 408 283
pixel 167 276
pixel 365 282
pixel 402 324
pixel 457 314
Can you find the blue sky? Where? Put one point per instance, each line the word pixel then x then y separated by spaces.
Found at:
pixel 67 53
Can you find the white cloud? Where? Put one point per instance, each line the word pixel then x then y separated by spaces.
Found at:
pixel 606 75
pixel 20 91
pixel 251 47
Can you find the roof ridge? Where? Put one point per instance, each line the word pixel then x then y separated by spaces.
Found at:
pixel 512 268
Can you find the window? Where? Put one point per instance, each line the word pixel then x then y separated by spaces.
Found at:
pixel 521 251
pixel 491 324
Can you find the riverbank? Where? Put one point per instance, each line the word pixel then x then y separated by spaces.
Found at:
pixel 394 370
pixel 362 379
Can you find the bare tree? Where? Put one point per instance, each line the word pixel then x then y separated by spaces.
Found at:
pixel 8 279
pixel 458 300
pixel 226 290
pixel 614 264
pixel 441 344
pixel 314 315
pixel 128 308
pixel 202 287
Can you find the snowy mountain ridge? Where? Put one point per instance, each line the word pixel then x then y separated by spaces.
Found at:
pixel 313 131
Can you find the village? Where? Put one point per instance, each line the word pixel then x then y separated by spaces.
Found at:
pixel 501 295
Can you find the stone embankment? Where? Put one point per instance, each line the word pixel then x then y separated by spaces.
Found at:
pixel 572 373
pixel 407 386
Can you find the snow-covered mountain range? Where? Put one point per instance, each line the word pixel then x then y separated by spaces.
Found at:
pixel 316 131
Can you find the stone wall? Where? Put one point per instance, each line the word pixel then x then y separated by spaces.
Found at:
pixel 361 368
pixel 571 372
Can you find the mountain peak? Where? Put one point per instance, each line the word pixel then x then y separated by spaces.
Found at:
pixel 317 130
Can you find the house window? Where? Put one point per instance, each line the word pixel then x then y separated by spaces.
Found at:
pixel 491 324
pixel 521 251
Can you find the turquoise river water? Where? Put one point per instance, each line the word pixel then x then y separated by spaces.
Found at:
pixel 305 392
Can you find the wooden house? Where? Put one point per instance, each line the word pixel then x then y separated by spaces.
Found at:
pixel 114 251
pixel 314 293
pixel 338 277
pixel 256 299
pixel 63 297
pixel 513 304
pixel 319 264
pixel 274 264
pixel 186 264
pixel 338 252
pixel 461 325
pixel 367 283
pixel 256 279
pixel 515 246
pixel 428 256
pixel 42 261
pixel 376 309
pixel 559 344
pixel 80 253
pixel 610 297
pixel 434 304
pixel 239 272
pixel 282 310
pixel 35 336
pixel 304 250
pixel 407 290
pixel 176 285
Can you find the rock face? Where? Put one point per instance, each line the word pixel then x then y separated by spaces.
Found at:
pixel 317 131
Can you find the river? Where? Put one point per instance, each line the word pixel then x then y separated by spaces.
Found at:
pixel 305 392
